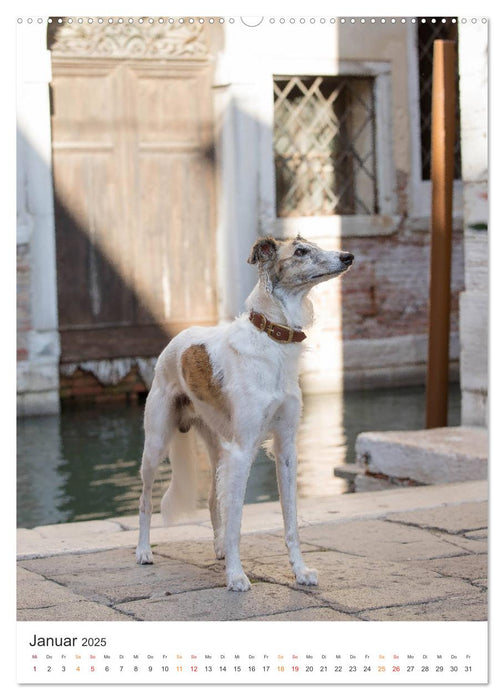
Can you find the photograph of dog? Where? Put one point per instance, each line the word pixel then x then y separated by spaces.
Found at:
pixel 237 385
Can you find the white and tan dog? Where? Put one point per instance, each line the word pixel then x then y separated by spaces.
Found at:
pixel 237 384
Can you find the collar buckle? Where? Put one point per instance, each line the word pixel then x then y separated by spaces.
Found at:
pixel 273 332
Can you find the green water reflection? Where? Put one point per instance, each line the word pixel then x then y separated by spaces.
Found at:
pixel 84 464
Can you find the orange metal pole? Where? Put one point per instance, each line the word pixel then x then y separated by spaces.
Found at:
pixel 442 159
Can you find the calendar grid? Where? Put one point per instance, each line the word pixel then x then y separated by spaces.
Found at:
pixel 416 652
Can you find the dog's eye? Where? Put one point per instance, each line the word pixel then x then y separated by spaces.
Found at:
pixel 300 252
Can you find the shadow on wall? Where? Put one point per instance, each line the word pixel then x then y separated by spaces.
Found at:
pixel 101 316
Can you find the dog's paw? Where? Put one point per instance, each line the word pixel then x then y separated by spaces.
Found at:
pixel 219 550
pixel 307 577
pixel 239 582
pixel 144 556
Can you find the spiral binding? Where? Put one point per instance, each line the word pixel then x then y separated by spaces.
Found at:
pixel 249 21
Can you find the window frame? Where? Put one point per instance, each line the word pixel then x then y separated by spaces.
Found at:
pixel 294 126
pixel 420 191
pixel 386 221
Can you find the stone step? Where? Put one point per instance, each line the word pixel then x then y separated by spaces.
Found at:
pixel 358 480
pixel 434 456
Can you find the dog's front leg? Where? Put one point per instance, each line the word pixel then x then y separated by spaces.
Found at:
pixel 286 468
pixel 233 476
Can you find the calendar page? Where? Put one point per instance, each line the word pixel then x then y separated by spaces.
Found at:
pixel 252 329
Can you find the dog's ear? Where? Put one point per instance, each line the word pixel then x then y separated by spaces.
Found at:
pixel 264 250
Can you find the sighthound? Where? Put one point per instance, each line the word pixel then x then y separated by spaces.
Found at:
pixel 237 385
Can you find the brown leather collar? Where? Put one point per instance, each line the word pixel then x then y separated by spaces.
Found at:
pixel 282 334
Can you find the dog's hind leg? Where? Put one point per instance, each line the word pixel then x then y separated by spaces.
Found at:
pixel 212 443
pixel 159 424
pixel 284 442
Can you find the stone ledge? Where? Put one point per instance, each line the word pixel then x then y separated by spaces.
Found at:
pixel 434 456
pixel 103 535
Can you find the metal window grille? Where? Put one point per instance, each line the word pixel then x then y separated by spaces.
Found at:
pixel 324 142
pixel 428 30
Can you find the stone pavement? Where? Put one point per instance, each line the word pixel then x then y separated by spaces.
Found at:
pixel 416 553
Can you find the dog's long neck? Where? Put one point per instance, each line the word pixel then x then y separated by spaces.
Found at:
pixel 290 308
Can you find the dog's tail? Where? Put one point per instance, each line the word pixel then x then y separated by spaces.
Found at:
pixel 180 499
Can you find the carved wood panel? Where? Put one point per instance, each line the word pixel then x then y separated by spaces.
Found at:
pixel 134 199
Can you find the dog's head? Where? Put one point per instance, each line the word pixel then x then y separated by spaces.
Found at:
pixel 296 263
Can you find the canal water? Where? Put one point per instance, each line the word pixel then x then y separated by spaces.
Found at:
pixel 84 464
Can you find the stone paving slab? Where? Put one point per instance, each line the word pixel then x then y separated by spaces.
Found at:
pixel 468 567
pixel 34 591
pixel 416 553
pixel 73 540
pixel 453 519
pixel 202 553
pixel 80 611
pixel 79 563
pixel 166 578
pixel 220 604
pixel 351 585
pixel 54 539
pixel 467 544
pixel 40 599
pixel 307 615
pixel 378 539
pixel 457 608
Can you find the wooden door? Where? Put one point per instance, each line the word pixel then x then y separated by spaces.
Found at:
pixel 134 190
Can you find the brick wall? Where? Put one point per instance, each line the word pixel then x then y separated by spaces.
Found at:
pixel 372 324
pixel 386 293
